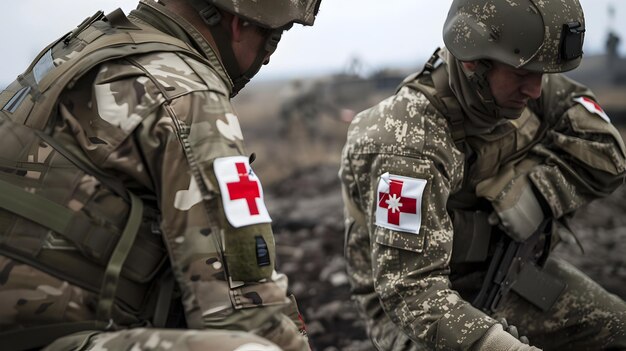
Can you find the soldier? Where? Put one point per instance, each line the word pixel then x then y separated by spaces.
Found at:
pixel 129 210
pixel 457 188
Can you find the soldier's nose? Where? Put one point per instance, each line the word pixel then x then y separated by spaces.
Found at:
pixel 531 86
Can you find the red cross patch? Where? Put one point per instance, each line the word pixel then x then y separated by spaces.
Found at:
pixel 592 107
pixel 399 205
pixel 242 194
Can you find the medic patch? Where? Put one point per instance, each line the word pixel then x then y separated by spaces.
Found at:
pixel 242 194
pixel 592 107
pixel 399 205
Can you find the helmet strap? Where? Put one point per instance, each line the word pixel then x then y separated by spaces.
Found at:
pixel 209 13
pixel 212 17
pixel 479 80
pixel 271 43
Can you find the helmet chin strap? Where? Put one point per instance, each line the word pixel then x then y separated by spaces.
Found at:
pixel 478 79
pixel 271 42
pixel 212 17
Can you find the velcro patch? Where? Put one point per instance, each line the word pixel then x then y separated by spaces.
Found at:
pixel 242 194
pixel 593 107
pixel 399 205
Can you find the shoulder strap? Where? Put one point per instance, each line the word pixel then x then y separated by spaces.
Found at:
pixel 114 267
pixel 45 85
pixel 432 81
pixel 451 107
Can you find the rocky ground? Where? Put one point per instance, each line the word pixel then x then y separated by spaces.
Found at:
pixel 308 220
pixel 307 213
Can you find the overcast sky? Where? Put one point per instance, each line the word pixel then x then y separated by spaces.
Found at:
pixel 380 33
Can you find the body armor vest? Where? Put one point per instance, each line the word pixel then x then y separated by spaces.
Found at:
pixel 61 214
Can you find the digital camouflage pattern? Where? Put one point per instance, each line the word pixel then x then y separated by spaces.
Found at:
pixel 585 317
pixel 154 122
pixel 405 136
pixel 409 293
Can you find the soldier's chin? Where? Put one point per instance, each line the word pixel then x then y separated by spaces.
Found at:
pixel 512 113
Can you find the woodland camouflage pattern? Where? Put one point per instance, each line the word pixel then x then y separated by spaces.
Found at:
pixel 117 117
pixel 409 294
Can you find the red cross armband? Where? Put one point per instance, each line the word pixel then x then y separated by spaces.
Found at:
pixel 593 107
pixel 248 243
pixel 242 194
pixel 399 205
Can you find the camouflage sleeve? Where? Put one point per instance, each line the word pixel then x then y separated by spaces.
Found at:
pixel 406 138
pixel 189 153
pixel 583 154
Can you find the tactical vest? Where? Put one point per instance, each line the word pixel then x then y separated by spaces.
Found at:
pixel 58 212
pixel 483 155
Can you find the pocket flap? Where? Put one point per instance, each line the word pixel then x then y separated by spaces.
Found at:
pixel 400 240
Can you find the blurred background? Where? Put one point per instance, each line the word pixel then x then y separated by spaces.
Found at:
pixel 296 112
pixel 381 34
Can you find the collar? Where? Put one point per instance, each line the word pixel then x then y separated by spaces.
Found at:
pixel 158 16
pixel 482 114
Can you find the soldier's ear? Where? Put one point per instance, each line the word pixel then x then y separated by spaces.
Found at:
pixel 470 65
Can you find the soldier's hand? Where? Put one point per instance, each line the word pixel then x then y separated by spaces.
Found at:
pixel 497 339
pixel 511 329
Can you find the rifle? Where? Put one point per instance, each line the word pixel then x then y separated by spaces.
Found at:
pixel 515 266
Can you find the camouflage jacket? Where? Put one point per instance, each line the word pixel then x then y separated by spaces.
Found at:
pixel 162 124
pixel 407 275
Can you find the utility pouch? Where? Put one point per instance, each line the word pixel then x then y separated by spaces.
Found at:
pixel 247 242
pixel 472 233
pixel 538 287
pixel 58 214
pixel 250 253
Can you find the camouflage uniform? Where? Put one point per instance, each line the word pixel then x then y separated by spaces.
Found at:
pixel 406 280
pixel 158 123
pixel 415 289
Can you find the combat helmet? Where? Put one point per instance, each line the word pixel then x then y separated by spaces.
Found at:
pixel 536 35
pixel 272 13
pixel 275 16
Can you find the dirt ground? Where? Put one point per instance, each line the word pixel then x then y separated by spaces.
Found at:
pixel 298 166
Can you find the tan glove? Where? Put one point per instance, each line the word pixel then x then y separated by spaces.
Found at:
pixel 496 339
